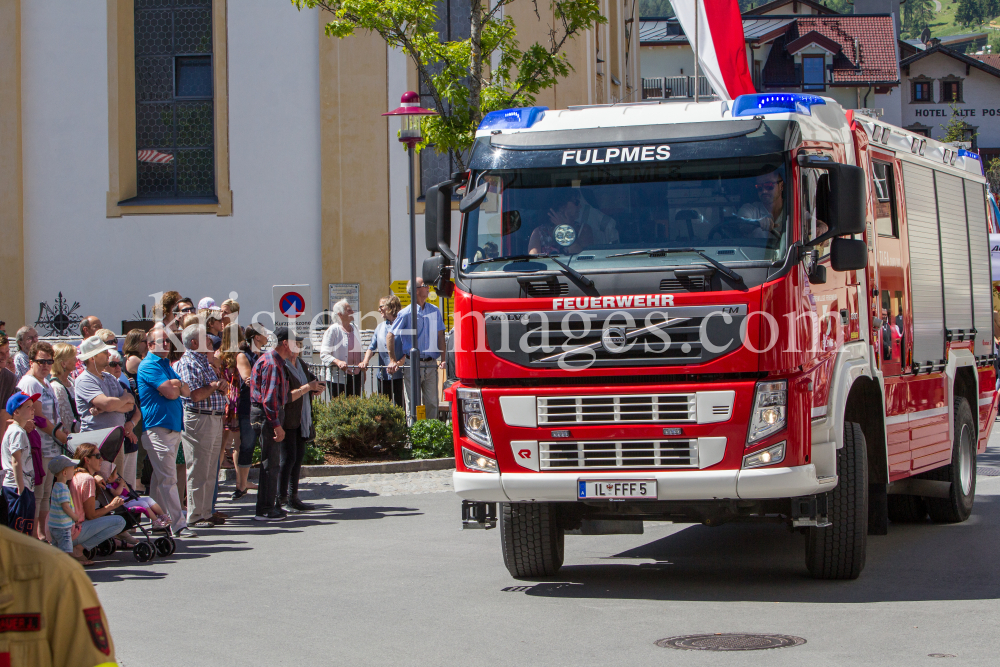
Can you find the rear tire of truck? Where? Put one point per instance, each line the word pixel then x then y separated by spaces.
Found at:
pixel 961 472
pixel 531 539
pixel 907 509
pixel 838 551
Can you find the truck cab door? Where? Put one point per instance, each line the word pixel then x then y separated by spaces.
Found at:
pixel 892 341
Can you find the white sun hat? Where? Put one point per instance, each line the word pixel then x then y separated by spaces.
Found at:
pixel 91 347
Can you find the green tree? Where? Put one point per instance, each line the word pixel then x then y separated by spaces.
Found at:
pixel 840 6
pixel 657 8
pixel 969 13
pixel 956 129
pixel 991 9
pixel 917 15
pixel 993 175
pixel 467 78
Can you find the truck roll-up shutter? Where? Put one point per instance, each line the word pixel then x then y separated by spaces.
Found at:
pixel 954 254
pixel 925 264
pixel 979 266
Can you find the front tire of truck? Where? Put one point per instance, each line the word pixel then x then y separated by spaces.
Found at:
pixel 961 472
pixel 838 550
pixel 532 539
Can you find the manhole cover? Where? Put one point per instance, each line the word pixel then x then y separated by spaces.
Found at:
pixel 988 472
pixel 730 642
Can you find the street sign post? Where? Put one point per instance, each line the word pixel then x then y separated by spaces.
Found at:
pixel 292 307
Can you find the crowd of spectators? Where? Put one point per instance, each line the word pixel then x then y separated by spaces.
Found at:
pixel 193 393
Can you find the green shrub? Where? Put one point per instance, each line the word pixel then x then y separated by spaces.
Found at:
pixel 256 455
pixel 431 439
pixel 314 455
pixel 360 426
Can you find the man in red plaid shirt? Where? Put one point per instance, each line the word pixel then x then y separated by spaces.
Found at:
pixel 268 396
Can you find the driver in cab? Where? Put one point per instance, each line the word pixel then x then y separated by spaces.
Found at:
pixel 571 226
pixel 769 211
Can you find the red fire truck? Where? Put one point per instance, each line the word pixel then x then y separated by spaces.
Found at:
pixel 763 309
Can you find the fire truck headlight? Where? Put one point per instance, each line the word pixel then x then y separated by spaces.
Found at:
pixel 480 462
pixel 765 457
pixel 473 418
pixel 769 410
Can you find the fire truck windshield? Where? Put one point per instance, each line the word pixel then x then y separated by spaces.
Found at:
pixel 732 209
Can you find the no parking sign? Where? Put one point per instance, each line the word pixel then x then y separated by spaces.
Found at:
pixel 292 307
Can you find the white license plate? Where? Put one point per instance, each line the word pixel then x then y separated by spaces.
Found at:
pixel 612 489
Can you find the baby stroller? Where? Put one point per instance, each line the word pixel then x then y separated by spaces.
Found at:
pixel 109 442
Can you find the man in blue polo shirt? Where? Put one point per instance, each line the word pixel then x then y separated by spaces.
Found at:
pixel 429 328
pixel 160 391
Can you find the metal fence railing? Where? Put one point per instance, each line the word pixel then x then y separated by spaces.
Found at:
pixel 355 382
pixel 675 86
pixel 333 378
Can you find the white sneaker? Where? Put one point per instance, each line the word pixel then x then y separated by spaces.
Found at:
pixel 185 533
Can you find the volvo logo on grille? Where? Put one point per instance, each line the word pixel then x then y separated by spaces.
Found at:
pixel 613 340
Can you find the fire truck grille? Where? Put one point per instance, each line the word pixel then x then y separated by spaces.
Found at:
pixel 541 288
pixel 686 284
pixel 631 409
pixel 596 455
pixel 576 342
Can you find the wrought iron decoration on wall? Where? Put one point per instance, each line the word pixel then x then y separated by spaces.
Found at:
pixel 60 319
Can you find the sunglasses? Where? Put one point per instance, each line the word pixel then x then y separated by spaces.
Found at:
pixel 92 456
pixel 43 362
pixel 185 310
pixel 766 186
pixel 115 364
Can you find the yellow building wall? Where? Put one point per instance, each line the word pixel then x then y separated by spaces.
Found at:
pixel 12 306
pixel 354 165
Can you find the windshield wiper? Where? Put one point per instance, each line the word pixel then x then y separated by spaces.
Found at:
pixel 567 269
pixel 722 268
pixel 508 258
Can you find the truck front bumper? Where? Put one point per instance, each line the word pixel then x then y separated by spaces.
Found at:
pixel 757 483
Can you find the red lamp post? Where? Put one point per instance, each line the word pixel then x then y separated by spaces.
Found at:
pixel 409 134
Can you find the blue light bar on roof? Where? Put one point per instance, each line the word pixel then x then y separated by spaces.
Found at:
pixel 755 105
pixel 512 119
pixel 975 156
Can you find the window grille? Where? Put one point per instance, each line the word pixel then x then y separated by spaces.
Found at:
pixel 922 91
pixel 951 91
pixel 175 134
pixel 813 73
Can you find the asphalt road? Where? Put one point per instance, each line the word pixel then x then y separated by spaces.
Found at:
pixel 383 575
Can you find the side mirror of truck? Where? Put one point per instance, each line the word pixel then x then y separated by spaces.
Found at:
pixel 475 198
pixel 435 272
pixel 437 219
pixel 848 254
pixel 842 207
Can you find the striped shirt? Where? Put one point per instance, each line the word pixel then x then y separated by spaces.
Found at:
pixel 194 369
pixel 57 517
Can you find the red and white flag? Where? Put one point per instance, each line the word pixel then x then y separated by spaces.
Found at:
pixel 150 155
pixel 718 42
